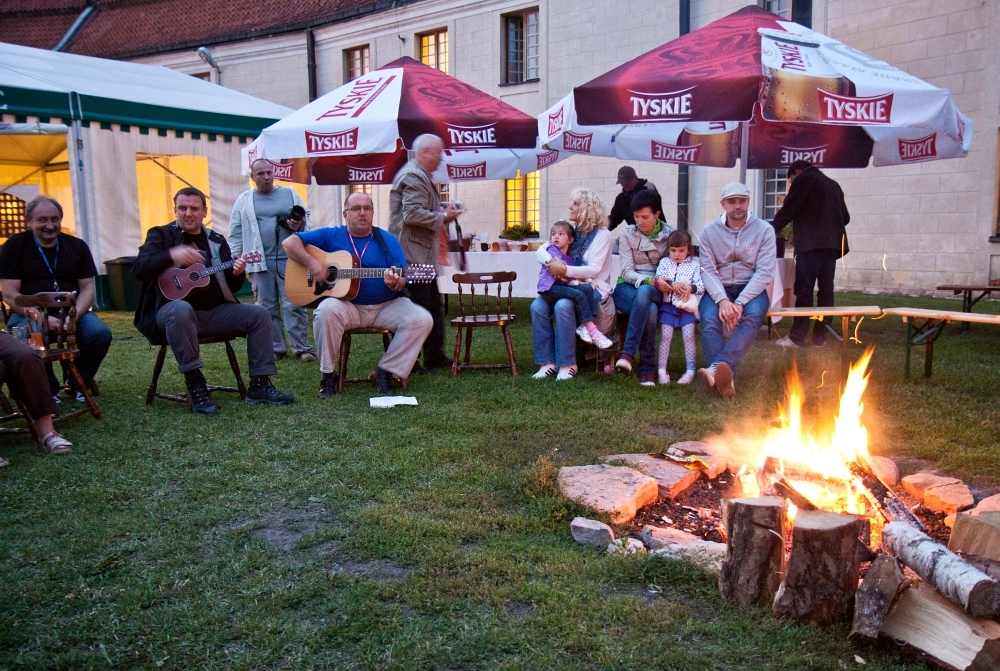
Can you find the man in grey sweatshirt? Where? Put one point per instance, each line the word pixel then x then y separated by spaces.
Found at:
pixel 737 257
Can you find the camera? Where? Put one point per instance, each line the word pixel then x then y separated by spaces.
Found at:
pixel 296 215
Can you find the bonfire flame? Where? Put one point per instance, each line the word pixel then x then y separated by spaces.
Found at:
pixel 825 452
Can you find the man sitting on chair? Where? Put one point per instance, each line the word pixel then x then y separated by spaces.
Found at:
pixel 44 258
pixel 206 311
pixel 378 303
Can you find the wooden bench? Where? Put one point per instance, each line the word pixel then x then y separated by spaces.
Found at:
pixel 924 327
pixel 967 298
pixel 847 313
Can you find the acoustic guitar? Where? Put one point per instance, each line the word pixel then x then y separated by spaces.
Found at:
pixel 343 277
pixel 177 283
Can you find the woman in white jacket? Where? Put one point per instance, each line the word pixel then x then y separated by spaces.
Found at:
pixel 555 344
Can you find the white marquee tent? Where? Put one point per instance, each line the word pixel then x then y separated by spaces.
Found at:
pixel 112 141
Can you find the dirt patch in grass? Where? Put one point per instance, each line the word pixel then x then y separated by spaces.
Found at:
pixel 378 570
pixel 519 610
pixel 285 528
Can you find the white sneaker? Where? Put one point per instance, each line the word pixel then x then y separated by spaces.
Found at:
pixel 663 377
pixel 786 342
pixel 602 341
pixel 584 334
pixel 566 373
pixel 686 378
pixel 548 370
pixel 624 364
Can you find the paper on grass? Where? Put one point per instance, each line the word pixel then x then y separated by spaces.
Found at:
pixel 391 401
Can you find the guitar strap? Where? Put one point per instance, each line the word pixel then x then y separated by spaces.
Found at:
pixel 377 232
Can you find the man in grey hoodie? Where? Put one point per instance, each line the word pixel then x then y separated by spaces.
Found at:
pixel 737 257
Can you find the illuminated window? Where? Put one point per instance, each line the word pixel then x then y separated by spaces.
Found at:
pixel 356 62
pixel 159 177
pixel 362 188
pixel 521 201
pixel 12 219
pixel 434 49
pixel 774 192
pixel 521 40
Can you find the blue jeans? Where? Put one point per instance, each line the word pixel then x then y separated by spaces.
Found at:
pixel 554 343
pixel 713 341
pixel 642 306
pixel 93 338
pixel 582 295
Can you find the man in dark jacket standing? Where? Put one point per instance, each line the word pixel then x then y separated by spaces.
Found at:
pixel 209 311
pixel 816 209
pixel 631 184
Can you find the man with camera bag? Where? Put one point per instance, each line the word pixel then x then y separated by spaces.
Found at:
pixel 262 218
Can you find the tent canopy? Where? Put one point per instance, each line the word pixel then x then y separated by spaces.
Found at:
pixel 49 84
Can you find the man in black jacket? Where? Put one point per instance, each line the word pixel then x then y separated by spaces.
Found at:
pixel 631 184
pixel 206 311
pixel 816 209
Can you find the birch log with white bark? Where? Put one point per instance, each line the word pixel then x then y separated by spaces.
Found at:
pixel 963 584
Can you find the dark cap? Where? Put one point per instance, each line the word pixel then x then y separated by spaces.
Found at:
pixel 626 173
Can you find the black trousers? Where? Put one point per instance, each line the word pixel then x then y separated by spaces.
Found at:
pixel 428 297
pixel 812 268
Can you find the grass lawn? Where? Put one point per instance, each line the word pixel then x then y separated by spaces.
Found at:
pixel 331 535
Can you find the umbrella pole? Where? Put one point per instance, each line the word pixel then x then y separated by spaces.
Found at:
pixel 744 149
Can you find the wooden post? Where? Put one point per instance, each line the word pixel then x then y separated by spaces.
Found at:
pixel 755 549
pixel 822 572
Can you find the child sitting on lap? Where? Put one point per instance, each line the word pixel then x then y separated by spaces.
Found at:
pixel 583 296
pixel 679 278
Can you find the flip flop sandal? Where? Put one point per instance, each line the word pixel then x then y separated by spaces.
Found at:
pixel 53 443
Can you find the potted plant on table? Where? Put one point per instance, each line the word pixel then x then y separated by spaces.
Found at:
pixel 516 233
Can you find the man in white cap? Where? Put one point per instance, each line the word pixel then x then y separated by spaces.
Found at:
pixel 737 264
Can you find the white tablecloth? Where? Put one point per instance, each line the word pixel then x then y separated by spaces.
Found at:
pixel 526 266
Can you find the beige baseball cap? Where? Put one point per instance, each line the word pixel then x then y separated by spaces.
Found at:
pixel 735 190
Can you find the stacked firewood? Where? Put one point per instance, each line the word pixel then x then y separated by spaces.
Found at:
pixel 948 612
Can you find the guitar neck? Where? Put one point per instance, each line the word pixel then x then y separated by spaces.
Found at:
pixel 216 268
pixel 366 273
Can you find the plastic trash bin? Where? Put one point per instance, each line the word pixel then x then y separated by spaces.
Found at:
pixel 125 288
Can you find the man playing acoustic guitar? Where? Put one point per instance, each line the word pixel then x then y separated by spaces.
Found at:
pixel 377 303
pixel 207 311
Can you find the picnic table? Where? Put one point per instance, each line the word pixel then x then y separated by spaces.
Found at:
pixel 924 327
pixel 847 313
pixel 967 291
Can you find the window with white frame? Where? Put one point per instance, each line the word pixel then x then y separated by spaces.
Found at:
pixel 521 42
pixel 356 62
pixel 434 49
pixel 362 188
pixel 775 187
pixel 782 8
pixel 522 202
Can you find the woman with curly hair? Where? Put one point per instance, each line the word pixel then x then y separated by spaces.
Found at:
pixel 555 344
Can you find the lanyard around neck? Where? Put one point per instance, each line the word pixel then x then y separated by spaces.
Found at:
pixel 362 254
pixel 51 266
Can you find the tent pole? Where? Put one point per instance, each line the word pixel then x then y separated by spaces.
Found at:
pixel 80 190
pixel 744 149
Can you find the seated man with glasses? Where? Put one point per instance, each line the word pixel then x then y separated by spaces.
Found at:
pixel 377 304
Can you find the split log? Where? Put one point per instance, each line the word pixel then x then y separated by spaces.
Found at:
pixel 822 573
pixel 782 487
pixel 961 583
pixel 875 596
pixel 976 535
pixel 755 549
pixel 923 618
pixel 882 498
pixel 990 567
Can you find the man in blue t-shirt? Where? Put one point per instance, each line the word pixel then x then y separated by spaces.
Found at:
pixel 378 303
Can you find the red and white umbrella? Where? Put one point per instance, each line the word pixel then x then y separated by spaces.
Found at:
pixel 360 133
pixel 753 85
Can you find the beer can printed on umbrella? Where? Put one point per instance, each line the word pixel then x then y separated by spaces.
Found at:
pixel 796 77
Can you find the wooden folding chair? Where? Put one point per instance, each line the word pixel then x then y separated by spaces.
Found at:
pixel 486 307
pixel 182 397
